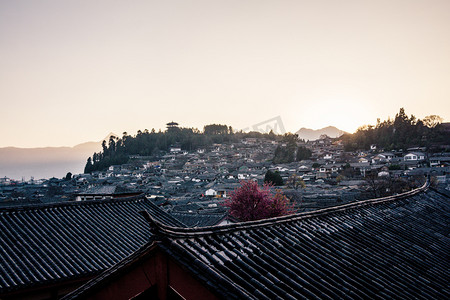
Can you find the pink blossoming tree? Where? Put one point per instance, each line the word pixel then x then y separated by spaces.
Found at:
pixel 250 202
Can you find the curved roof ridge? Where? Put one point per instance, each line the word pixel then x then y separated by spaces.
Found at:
pixel 69 203
pixel 160 229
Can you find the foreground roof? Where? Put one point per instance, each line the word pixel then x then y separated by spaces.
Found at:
pixel 107 190
pixel 47 244
pixel 393 247
pixel 201 219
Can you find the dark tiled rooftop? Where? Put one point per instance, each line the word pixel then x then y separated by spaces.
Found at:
pixel 51 243
pixel 198 219
pixel 390 248
pixel 106 190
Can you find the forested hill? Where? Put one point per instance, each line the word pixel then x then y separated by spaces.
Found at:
pixel 147 143
pixel 402 132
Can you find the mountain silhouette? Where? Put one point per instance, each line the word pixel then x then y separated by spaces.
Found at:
pixel 312 135
pixel 46 162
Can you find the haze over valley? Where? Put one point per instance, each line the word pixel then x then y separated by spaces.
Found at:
pixel 17 163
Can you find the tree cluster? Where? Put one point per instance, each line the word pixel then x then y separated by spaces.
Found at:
pixel 112 154
pixel 376 186
pixel 295 181
pixel 251 202
pixel 289 152
pixel 273 178
pixel 400 133
pixel 215 129
pixel 303 153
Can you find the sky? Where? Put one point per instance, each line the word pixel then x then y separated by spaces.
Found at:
pixel 74 71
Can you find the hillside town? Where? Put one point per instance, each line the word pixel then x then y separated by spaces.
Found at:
pixel 194 183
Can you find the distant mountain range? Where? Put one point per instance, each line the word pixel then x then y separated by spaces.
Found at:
pixel 312 135
pixel 47 162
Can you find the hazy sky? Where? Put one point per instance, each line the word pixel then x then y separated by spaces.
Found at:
pixel 73 71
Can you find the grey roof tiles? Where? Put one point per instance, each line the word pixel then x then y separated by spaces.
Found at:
pixel 52 243
pixel 379 249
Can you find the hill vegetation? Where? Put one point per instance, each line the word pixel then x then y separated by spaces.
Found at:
pixel 402 132
pixel 151 143
pixel 289 152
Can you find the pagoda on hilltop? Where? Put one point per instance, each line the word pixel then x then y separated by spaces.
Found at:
pixel 172 126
